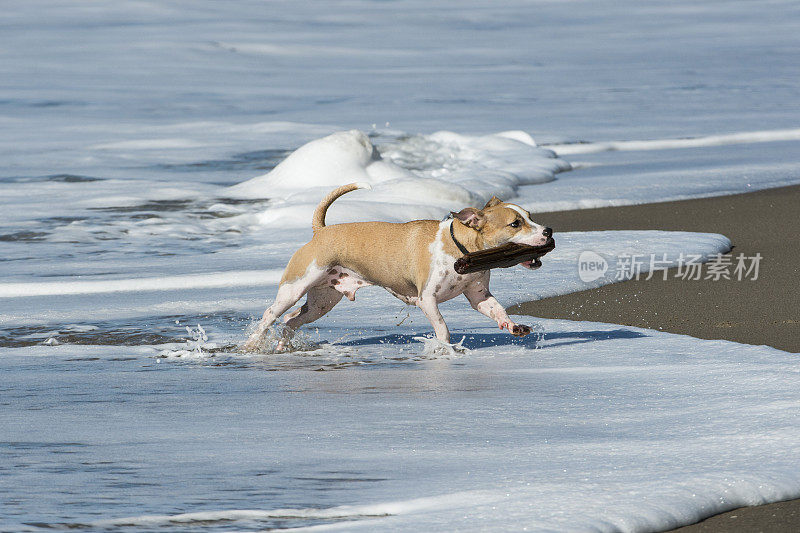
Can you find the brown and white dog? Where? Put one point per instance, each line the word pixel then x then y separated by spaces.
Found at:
pixel 413 261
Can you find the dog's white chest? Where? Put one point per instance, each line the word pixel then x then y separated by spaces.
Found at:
pixel 444 283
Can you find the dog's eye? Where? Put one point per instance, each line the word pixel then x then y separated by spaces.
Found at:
pixel 515 224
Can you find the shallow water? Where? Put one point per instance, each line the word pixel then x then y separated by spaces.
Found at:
pixel 138 242
pixel 294 440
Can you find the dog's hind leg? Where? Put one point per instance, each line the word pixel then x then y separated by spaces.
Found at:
pixel 320 300
pixel 288 294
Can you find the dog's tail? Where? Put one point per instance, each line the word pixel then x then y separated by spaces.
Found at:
pixel 318 222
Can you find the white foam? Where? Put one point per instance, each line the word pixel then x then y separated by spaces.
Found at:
pixel 425 176
pixel 416 177
pixel 354 512
pixel 210 280
pixel 747 137
pixel 559 273
pixel 337 159
pixel 273 49
pixel 148 144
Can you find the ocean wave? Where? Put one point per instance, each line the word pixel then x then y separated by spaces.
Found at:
pixel 419 176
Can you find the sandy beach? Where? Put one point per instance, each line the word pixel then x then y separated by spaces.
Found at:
pixel 761 311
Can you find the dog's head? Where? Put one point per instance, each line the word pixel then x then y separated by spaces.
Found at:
pixel 500 222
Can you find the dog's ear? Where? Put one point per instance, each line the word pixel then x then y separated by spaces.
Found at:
pixel 493 201
pixel 470 217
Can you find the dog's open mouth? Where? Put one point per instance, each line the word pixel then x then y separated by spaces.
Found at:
pixel 537 253
pixel 533 264
pixel 504 256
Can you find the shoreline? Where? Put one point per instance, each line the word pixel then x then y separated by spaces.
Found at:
pixel 762 311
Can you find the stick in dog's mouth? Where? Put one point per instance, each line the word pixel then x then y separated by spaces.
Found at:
pixel 504 256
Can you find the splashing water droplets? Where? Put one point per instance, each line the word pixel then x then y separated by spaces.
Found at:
pixel 435 348
pixel 297 342
pixel 195 345
pixel 198 339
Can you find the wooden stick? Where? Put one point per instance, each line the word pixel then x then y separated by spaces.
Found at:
pixel 503 256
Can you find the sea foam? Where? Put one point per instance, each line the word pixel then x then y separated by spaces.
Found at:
pixel 422 176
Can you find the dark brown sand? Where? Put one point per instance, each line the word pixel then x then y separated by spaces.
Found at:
pixel 764 311
pixel 781 517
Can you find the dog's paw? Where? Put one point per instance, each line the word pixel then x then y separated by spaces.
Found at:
pixel 519 330
pixel 249 346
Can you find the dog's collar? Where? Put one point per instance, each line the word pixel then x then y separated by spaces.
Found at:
pixel 455 241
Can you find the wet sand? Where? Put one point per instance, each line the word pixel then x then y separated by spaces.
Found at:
pixel 761 311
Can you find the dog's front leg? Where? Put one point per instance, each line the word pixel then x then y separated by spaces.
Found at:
pixel 482 301
pixel 430 307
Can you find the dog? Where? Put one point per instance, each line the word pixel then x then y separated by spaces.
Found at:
pixel 412 260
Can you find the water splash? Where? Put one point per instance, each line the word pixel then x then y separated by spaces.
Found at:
pixel 435 348
pixel 197 346
pixel 198 339
pixel 298 341
pixel 538 334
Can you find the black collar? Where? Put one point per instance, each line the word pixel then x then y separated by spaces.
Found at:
pixel 455 241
